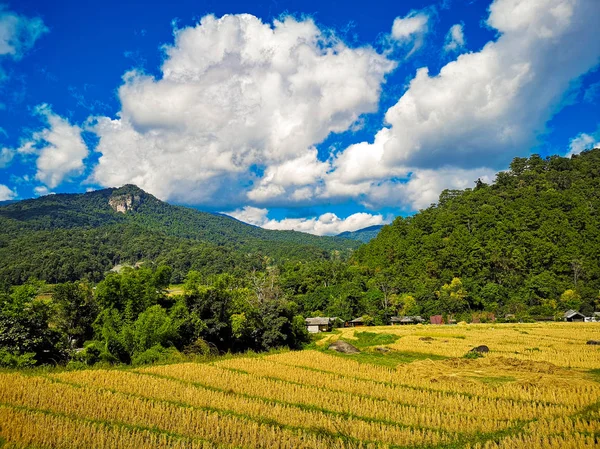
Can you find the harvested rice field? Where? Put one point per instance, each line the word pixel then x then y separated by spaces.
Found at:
pixel 410 386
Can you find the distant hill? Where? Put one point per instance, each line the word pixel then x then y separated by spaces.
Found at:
pixel 68 236
pixel 518 244
pixel 364 235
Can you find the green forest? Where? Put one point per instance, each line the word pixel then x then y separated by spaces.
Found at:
pixel 525 247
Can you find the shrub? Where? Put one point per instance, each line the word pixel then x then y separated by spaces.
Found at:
pixel 10 360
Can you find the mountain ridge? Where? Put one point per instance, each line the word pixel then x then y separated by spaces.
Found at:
pixel 364 235
pixel 38 226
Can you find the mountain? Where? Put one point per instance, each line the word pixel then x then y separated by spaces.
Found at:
pixel 518 244
pixel 364 235
pixel 69 236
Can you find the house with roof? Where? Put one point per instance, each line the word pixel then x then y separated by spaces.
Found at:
pixel 400 320
pixel 356 322
pixel 320 324
pixel 573 315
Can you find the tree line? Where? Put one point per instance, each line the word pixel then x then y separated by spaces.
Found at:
pixel 525 247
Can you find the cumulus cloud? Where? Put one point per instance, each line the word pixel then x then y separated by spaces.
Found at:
pixel 6 193
pixel 326 224
pixel 423 186
pixel 481 110
pixel 18 34
pixel 297 179
pixel 42 190
pixel 6 156
pixel 59 148
pixel 411 29
pixel 455 39
pixel 237 98
pixel 582 142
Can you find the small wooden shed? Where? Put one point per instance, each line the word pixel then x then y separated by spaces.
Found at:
pixel 573 315
pixel 319 324
pixel 356 322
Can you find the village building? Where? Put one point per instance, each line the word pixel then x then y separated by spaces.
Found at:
pixel 320 324
pixel 356 322
pixel 573 315
pixel 399 320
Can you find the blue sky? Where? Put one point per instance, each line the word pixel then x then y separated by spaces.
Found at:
pixel 316 116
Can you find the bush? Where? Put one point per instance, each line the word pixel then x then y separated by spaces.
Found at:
pixel 10 360
pixel 201 347
pixel 472 355
pixel 157 354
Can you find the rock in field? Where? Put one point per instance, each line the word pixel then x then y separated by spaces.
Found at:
pixel 480 349
pixel 342 346
pixel 382 349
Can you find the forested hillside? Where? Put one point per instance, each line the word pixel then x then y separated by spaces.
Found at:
pixel 530 241
pixel 527 246
pixel 67 237
pixel 363 235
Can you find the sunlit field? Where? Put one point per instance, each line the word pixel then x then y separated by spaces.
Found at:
pixel 538 387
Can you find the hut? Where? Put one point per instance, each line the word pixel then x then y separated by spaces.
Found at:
pixel 395 320
pixel 356 322
pixel 573 315
pixel 319 324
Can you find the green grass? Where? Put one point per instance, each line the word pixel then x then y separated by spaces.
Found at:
pixel 389 359
pixel 595 374
pixel 367 339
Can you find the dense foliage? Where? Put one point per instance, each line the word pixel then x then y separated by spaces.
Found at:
pixel 529 243
pixel 129 317
pixel 525 247
pixel 68 237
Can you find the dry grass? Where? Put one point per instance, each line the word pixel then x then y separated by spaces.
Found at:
pixel 533 390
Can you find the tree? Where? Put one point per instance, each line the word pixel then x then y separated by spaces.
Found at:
pixel 153 327
pixel 76 311
pixel 24 326
pixel 405 304
pixel 570 299
pixel 452 297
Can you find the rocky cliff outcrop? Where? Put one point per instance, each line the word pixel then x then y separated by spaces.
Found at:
pixel 125 202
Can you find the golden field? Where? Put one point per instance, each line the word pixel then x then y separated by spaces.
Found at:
pixel 538 387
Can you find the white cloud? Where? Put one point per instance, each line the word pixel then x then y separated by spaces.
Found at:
pixel 583 142
pixel 423 186
pixel 237 97
pixel 491 105
pixel 6 156
pixel 59 148
pixel 18 34
pixel 480 111
pixel 326 224
pixel 6 193
pixel 296 179
pixel 455 39
pixel 411 29
pixel 42 190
